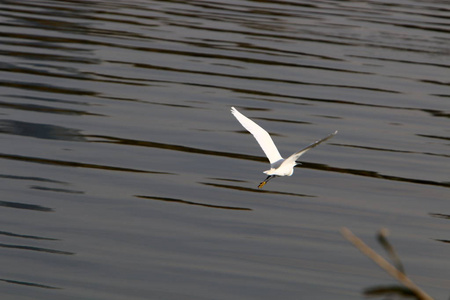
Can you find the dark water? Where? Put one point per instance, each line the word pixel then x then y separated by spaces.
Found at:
pixel 124 175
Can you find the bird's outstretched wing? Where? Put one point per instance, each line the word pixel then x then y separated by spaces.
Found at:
pixel 262 137
pixel 293 158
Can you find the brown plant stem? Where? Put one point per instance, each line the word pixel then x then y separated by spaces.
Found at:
pixel 384 264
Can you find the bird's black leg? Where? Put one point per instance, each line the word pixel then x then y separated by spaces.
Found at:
pixel 265 181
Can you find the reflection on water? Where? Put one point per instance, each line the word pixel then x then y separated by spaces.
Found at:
pixel 27 236
pixel 24 206
pixel 71 163
pixel 28 284
pixel 43 188
pixel 441 216
pixel 190 202
pixel 42 131
pixel 373 174
pixel 31 178
pixel 315 166
pixel 42 108
pixel 101 100
pixel 254 190
pixel 29 248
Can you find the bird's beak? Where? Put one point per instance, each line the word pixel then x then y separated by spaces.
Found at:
pixel 265 181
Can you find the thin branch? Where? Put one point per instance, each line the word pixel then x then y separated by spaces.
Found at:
pixel 384 264
pixel 382 239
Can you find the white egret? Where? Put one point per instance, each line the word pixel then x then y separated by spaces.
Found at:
pixel 278 165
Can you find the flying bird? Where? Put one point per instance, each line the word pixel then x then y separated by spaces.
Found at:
pixel 278 165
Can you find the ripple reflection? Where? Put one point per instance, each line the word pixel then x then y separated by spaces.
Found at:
pixel 25 206
pixel 38 249
pixel 29 284
pixel 191 202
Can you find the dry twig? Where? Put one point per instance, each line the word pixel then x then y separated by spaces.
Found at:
pixel 384 264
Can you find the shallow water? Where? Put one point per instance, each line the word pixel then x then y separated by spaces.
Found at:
pixel 126 177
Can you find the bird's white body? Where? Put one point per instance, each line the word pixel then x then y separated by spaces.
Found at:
pixel 281 168
pixel 278 165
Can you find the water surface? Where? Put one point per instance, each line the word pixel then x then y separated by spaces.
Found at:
pixel 125 176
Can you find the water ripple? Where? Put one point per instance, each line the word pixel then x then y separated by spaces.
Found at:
pixel 29 284
pixel 76 164
pixel 17 205
pixel 37 249
pixel 165 199
pixel 90 88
